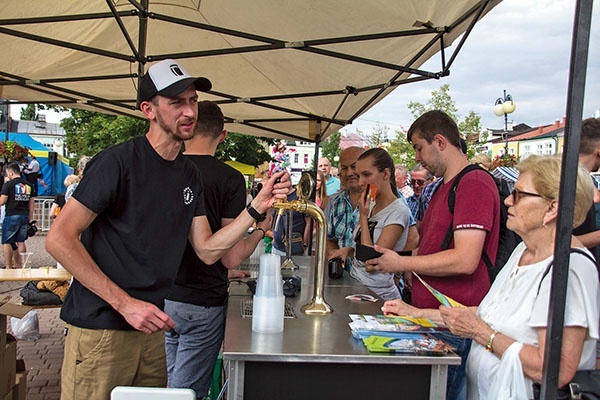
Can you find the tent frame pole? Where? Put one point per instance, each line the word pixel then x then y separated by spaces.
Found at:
pixel 564 228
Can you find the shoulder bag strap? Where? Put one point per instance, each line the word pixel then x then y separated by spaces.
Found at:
pixel 573 250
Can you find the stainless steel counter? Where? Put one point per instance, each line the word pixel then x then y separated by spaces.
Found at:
pixel 317 355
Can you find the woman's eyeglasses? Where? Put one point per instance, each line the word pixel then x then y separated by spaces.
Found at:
pixel 517 194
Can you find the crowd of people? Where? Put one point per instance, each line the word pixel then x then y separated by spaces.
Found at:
pixel 19 187
pixel 148 302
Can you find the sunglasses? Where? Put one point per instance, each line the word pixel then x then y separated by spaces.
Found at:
pixel 517 194
pixel 419 182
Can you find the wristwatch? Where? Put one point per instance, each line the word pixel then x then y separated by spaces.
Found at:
pixel 255 214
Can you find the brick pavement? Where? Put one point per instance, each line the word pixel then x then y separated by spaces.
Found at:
pixel 43 357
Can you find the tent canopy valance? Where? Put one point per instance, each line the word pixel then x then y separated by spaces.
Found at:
pixel 283 69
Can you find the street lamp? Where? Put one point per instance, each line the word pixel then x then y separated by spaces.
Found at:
pixel 504 106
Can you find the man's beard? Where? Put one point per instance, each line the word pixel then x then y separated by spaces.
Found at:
pixel 176 133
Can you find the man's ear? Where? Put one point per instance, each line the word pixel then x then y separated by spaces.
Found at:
pixel 440 141
pixel 223 136
pixel 147 108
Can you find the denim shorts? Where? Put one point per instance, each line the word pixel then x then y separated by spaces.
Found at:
pixel 14 229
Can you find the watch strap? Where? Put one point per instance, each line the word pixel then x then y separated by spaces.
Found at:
pixel 255 214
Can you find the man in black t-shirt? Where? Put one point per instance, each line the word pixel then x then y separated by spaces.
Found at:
pixel 197 302
pixel 18 199
pixel 123 240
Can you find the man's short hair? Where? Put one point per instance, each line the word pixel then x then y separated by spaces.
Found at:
pixel 433 123
pixel 590 135
pixel 210 119
pixel 418 167
pixel 14 167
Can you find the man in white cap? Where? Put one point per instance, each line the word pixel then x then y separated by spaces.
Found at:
pixel 136 207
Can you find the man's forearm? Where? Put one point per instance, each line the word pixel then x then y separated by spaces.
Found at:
pixel 242 250
pixel 444 263
pixel 74 258
pixel 211 248
pixel 591 239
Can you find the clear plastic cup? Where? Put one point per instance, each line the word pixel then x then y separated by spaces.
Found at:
pixel 269 282
pixel 267 314
pixel 25 258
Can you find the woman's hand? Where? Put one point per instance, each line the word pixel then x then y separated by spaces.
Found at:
pixel 464 322
pixel 342 253
pixel 399 307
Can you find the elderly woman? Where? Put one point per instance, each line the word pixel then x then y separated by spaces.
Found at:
pixel 514 310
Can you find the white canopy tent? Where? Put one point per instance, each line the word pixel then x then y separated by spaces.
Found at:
pixel 286 69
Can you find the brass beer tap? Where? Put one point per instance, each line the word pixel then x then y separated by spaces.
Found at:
pixel 318 305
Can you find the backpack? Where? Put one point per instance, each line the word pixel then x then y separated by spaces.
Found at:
pixel 508 239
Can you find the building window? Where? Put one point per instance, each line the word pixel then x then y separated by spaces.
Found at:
pixel 296 157
pixel 305 158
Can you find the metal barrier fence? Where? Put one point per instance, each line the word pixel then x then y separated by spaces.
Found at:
pixel 41 213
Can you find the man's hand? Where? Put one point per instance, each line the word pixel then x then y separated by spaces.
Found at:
pixel 272 191
pixel 389 261
pixel 237 274
pixel 146 317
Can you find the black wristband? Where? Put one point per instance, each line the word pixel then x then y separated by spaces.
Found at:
pixel 258 228
pixel 255 214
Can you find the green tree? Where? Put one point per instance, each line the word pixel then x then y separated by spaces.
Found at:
pixel 245 149
pixel 89 132
pixel 330 148
pixel 469 127
pixel 379 135
pixel 440 100
pixel 401 150
pixel 29 112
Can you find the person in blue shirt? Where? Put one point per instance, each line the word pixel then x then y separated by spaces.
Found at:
pixel 331 182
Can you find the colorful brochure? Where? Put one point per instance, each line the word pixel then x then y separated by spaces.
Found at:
pixel 366 325
pixel 442 298
pixel 419 344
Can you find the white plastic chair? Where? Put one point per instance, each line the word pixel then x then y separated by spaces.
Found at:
pixel 147 393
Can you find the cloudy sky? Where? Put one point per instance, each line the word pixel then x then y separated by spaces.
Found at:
pixel 522 46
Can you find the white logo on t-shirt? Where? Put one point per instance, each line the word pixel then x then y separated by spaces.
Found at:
pixel 188 196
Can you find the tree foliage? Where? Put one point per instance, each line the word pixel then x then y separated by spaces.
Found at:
pixel 469 127
pixel 401 150
pixel 31 111
pixel 379 135
pixel 330 148
pixel 245 149
pixel 89 132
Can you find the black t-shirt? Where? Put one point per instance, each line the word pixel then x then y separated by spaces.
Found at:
pixel 225 197
pixel 145 206
pixel 60 200
pixel 19 192
pixel 589 225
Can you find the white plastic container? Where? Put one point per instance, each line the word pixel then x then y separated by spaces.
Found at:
pixel 268 302
pixel 267 314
